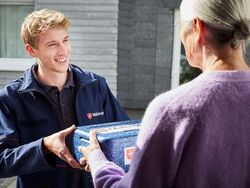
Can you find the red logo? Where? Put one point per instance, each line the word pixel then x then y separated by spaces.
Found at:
pixel 89 115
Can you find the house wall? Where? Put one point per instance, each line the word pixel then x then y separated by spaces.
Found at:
pixel 129 42
pixel 145 43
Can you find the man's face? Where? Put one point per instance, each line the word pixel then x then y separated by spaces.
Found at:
pixel 53 51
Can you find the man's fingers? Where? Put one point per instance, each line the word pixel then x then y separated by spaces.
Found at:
pixel 74 164
pixel 83 161
pixel 87 168
pixel 69 158
pixel 69 130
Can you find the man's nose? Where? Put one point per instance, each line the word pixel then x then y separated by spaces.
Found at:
pixel 62 49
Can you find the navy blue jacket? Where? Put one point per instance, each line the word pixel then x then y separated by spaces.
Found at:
pixel 26 116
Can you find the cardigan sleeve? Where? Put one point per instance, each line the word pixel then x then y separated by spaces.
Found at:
pixel 157 156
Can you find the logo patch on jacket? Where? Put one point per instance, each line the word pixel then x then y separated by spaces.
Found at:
pixel 90 115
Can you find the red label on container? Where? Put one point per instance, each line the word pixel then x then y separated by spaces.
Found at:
pixel 128 155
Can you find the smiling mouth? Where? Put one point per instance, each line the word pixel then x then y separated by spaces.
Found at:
pixel 61 60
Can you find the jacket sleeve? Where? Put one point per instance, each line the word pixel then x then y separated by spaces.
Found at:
pixel 112 108
pixel 17 159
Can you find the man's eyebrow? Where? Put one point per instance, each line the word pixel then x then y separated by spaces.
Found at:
pixel 50 42
pixel 67 37
pixel 54 41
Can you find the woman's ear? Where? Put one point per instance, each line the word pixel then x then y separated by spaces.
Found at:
pixel 198 30
pixel 30 50
pixel 196 45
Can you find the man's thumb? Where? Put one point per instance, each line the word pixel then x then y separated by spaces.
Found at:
pixel 69 130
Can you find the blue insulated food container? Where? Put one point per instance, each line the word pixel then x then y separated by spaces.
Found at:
pixel 117 140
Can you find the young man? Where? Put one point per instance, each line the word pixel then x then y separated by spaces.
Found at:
pixel 39 110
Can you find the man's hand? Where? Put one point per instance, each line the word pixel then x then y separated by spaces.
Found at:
pixel 93 145
pixel 55 143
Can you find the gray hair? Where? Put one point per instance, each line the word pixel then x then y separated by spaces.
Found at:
pixel 228 19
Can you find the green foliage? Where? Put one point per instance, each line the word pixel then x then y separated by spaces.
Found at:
pixel 187 72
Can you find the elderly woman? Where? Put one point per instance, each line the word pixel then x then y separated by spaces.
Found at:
pixel 197 135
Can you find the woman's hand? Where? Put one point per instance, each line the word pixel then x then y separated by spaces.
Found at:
pixel 93 145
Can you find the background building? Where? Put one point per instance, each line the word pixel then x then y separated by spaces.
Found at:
pixel 134 44
pixel 129 42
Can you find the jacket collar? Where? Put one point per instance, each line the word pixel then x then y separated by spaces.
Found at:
pixel 81 78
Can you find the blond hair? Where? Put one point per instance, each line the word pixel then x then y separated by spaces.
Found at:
pixel 40 21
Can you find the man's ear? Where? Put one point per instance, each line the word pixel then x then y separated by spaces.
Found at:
pixel 199 30
pixel 30 50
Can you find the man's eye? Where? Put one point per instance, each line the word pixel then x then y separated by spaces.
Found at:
pixel 51 45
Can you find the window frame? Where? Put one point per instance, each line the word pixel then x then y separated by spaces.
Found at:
pixel 175 72
pixel 16 64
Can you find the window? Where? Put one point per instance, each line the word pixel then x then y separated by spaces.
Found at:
pixel 175 72
pixel 12 54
